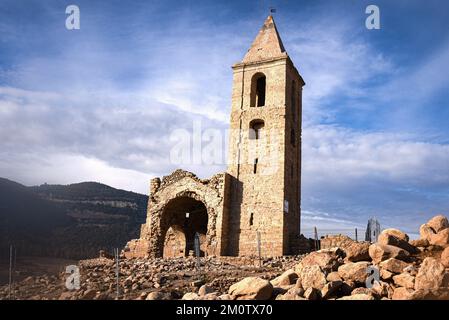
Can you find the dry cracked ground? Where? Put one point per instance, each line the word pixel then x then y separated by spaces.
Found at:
pixel 406 269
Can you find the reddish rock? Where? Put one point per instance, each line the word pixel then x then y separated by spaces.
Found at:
pixel 403 293
pixel 438 223
pixel 287 278
pixel 251 288
pixel 357 251
pixel 404 280
pixel 312 277
pixel 354 271
pixel 444 259
pixel 440 239
pixel 327 260
pixel 419 243
pixel 393 265
pixel 330 289
pixel 426 232
pixel 379 252
pixel 431 275
pixel 397 238
pixel 312 294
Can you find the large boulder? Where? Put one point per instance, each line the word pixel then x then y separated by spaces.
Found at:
pixel 312 277
pixel 327 260
pixel 393 265
pixel 190 296
pixel 251 288
pixel 419 242
pixel 438 223
pixel 158 295
pixel 398 234
pixel 330 289
pixel 426 232
pixel 403 293
pixel 397 238
pixel 440 239
pixel 444 259
pixel 405 280
pixel 354 271
pixel 312 294
pixel 357 251
pixel 287 278
pixel 431 294
pixel 431 275
pixel 380 252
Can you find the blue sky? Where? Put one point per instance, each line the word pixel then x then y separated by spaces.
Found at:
pixel 100 103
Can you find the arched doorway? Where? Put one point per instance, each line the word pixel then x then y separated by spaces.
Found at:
pixel 181 219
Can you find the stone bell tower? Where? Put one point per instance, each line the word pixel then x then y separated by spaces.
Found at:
pixel 265 149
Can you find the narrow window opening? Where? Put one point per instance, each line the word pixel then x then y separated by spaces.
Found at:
pixel 255 164
pixel 258 90
pixel 251 219
pixel 255 129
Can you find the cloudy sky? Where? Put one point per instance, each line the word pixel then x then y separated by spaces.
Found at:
pixel 101 103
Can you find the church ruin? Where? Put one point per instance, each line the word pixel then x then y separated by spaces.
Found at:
pixel 259 194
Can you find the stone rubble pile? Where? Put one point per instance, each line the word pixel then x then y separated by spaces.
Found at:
pixel 407 269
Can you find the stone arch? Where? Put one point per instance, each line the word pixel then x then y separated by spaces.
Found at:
pixel 258 89
pixel 255 128
pixel 180 218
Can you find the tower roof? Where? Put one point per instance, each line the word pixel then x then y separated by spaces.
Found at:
pixel 267 45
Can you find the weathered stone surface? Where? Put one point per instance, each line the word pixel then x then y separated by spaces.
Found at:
pixel 204 289
pixel 438 223
pixel 252 288
pixel 360 296
pixel 325 259
pixel 312 294
pixel 431 275
pixel 380 252
pixel 419 243
pixel 357 251
pixel 397 238
pixel 440 239
pixel 385 274
pixel 431 294
pixel 404 280
pixel 382 289
pixel 361 290
pixel 354 271
pixel 333 276
pixel 393 265
pixel 312 277
pixel 330 289
pixel 296 291
pixel 287 278
pixel 444 259
pixel 157 295
pixel 426 232
pixel 398 234
pixel 288 296
pixel 190 296
pixel 89 294
pixel 403 293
